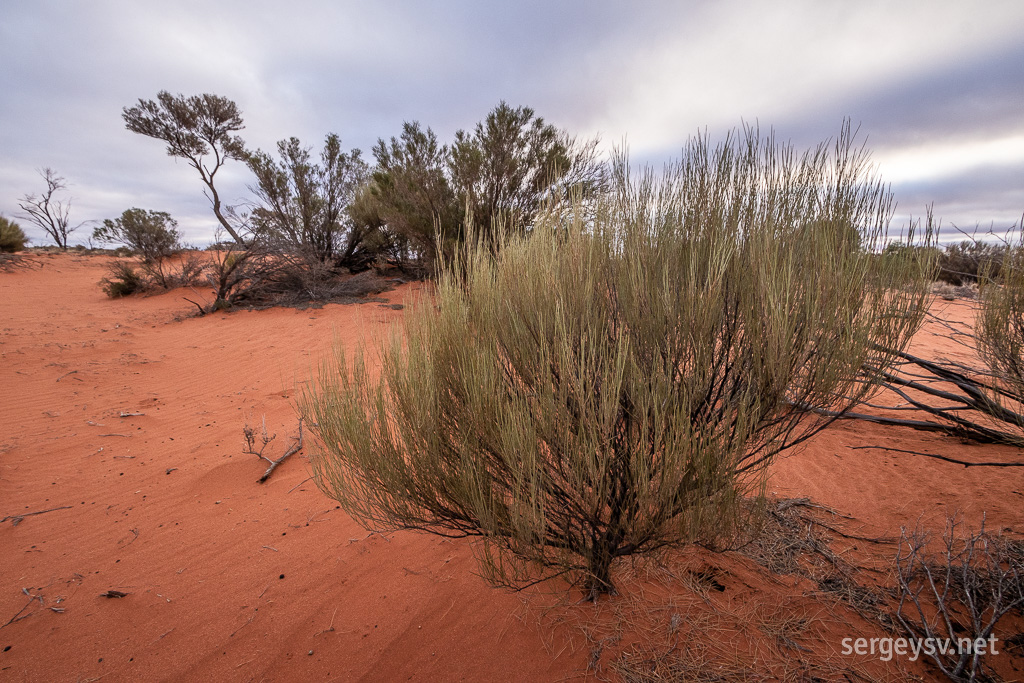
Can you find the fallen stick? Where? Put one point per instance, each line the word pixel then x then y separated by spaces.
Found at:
pixel 73 372
pixel 31 599
pixel 941 457
pixel 16 519
pixel 202 311
pixel 291 451
pixel 124 414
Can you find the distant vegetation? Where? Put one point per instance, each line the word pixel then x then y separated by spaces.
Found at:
pixel 48 211
pixel 12 237
pixel 313 221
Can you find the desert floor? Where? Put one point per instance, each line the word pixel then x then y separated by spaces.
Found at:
pixel 123 420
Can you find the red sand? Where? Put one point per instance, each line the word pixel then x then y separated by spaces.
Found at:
pixel 227 579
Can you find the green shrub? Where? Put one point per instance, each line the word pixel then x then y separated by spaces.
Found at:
pixel 615 381
pixel 12 237
pixel 151 234
pixel 123 280
pixel 968 261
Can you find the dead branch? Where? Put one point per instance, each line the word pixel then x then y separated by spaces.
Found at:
pixel 940 457
pixel 16 519
pixel 291 451
pixel 31 599
pixel 202 311
pixel 957 594
pixel 299 484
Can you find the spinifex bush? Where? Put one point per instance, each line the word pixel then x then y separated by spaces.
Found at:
pixel 612 385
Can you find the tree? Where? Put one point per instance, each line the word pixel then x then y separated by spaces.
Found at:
pixel 500 173
pixel 411 183
pixel 194 128
pixel 305 203
pixel 512 161
pixel 613 386
pixel 12 237
pixel 47 211
pixel 152 234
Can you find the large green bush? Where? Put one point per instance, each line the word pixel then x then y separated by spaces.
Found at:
pixel 12 237
pixel 613 382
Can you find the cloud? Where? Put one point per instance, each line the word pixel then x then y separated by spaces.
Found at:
pixel 935 85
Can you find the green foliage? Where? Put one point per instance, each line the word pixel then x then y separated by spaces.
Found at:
pixel 304 203
pixel 194 128
pixel 999 327
pixel 414 197
pixel 123 280
pixel 969 260
pixel 153 235
pixel 498 174
pixel 510 163
pixel 12 237
pixel 617 378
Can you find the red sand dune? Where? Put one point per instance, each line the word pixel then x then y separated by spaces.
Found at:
pixel 227 579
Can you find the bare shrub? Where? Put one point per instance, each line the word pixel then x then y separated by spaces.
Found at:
pixel 958 595
pixel 47 211
pixel 617 379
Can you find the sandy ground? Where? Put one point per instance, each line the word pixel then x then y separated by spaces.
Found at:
pixel 227 579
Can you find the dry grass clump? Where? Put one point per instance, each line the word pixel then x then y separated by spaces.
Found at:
pixel 950 292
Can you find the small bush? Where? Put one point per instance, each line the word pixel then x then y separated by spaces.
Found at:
pixel 12 237
pixel 123 280
pixel 967 261
pixel 152 234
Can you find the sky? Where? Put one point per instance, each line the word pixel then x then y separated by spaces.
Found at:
pixel 936 88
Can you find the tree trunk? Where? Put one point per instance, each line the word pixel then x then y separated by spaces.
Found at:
pixel 599 578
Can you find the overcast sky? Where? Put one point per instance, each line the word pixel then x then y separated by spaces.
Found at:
pixel 936 87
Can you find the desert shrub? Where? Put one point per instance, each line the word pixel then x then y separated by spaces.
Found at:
pixel 499 173
pixel 981 401
pixel 958 594
pixel 304 204
pixel 123 280
pixel 967 261
pixel 153 235
pixel 1000 325
pixel 618 378
pixel 12 237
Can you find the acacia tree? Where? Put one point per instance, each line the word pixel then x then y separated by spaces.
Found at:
pixel 305 203
pixel 619 377
pixel 194 128
pixel 47 211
